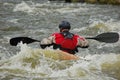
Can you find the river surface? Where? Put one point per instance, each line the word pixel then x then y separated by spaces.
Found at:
pixel 38 19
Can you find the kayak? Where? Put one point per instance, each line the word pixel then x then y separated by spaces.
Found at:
pixel 56 54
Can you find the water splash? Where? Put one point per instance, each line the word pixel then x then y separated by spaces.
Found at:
pixel 29 62
pixel 23 7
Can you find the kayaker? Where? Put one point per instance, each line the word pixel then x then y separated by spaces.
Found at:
pixel 65 40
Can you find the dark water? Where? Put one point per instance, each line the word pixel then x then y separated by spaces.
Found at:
pixel 38 19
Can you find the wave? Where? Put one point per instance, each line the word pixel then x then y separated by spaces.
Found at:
pixel 29 62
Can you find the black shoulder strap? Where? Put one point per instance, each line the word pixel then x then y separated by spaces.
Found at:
pixel 67 34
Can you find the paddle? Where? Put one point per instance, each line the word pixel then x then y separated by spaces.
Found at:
pixel 109 37
pixel 16 40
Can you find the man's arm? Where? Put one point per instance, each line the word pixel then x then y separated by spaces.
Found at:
pixel 46 42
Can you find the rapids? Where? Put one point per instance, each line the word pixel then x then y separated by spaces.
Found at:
pixel 38 19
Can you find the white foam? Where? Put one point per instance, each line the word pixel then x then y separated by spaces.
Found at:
pixel 79 69
pixel 23 7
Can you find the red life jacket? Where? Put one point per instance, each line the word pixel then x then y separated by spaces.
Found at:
pixel 66 44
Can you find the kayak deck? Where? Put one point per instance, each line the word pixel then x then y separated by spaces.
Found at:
pixel 56 54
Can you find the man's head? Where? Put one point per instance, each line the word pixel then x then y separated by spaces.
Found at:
pixel 64 25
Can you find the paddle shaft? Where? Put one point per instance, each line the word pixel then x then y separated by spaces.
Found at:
pixel 110 37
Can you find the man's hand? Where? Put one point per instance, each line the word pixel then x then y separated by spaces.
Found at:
pixel 46 42
pixel 83 43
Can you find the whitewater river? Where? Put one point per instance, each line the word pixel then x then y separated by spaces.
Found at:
pixel 38 19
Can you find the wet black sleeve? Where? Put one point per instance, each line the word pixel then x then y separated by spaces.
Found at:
pixel 43 46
